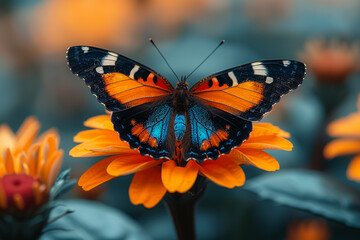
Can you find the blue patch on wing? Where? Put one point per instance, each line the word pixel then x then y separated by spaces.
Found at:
pixel 212 132
pixel 146 128
pixel 158 122
pixel 201 125
pixel 201 130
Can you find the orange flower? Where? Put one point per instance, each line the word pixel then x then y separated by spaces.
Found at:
pixel 349 128
pixel 57 24
pixel 267 13
pixel 330 62
pixel 167 175
pixel 313 229
pixel 28 166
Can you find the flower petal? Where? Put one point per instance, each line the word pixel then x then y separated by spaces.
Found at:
pixel 87 135
pixel 341 147
pixel 9 161
pixel 79 151
pixel 179 179
pixel 101 146
pixel 96 175
pixel 7 138
pixel 223 172
pixel 146 187
pixel 26 134
pixel 51 132
pixel 255 157
pixel 271 128
pixel 52 168
pixel 100 122
pixel 268 142
pixel 353 171
pixel 345 127
pixel 130 163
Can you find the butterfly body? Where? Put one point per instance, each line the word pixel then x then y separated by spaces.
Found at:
pixel 204 121
pixel 181 97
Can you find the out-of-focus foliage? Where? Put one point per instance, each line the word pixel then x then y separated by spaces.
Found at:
pixel 91 220
pixel 311 191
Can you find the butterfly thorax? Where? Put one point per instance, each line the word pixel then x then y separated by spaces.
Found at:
pixel 181 97
pixel 180 105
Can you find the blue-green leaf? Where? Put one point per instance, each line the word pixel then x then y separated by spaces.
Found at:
pixel 311 191
pixel 92 220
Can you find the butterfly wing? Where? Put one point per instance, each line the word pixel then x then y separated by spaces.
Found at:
pixel 147 130
pixel 249 91
pixel 117 81
pixel 135 94
pixel 226 102
pixel 212 132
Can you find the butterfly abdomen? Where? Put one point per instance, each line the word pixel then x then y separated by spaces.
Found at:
pixel 179 126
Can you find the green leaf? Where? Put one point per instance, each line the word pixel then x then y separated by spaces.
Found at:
pixel 311 191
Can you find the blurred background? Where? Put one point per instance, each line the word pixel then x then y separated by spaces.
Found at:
pixel 35 80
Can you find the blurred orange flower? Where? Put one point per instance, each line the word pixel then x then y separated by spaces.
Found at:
pixel 330 62
pixel 169 16
pixel 170 175
pixel 308 230
pixel 28 166
pixel 58 24
pixel 54 25
pixel 266 13
pixel 348 128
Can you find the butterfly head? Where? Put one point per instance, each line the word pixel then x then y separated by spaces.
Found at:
pixel 182 84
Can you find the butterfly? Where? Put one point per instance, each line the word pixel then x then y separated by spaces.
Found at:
pixel 207 120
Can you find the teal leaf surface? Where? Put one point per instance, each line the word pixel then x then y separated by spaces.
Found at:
pixel 311 191
pixel 92 220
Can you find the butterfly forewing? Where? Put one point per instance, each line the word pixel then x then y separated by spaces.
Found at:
pixel 118 82
pixel 250 90
pixel 133 92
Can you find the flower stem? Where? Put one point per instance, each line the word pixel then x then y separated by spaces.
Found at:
pixel 182 213
pixel 182 209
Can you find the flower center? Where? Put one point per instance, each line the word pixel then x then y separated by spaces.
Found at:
pixel 19 189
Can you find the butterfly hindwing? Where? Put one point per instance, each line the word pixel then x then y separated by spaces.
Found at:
pixel 249 91
pixel 212 132
pixel 147 127
pixel 117 81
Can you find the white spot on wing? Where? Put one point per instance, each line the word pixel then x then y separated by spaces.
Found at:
pixel 109 60
pixel 111 57
pixel 269 80
pixel 259 69
pixel 233 78
pixel 100 70
pixel 85 49
pixel 114 54
pixel 133 71
pixel 286 63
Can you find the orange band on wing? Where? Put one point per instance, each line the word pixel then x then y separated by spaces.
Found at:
pixel 132 92
pixel 239 98
pixel 143 134
pixel 214 140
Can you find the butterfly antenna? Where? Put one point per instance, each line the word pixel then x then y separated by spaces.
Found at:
pixel 164 58
pixel 206 58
